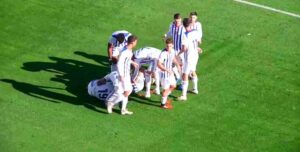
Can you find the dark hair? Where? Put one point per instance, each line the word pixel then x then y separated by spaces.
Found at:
pixel 177 16
pixel 120 37
pixel 193 13
pixel 131 39
pixel 186 22
pixel 169 40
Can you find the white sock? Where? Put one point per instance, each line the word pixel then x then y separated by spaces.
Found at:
pixel 164 100
pixel 157 82
pixel 148 84
pixel 124 103
pixel 185 85
pixel 195 83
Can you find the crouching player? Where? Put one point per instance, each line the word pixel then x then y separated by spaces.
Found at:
pixel 107 89
pixel 149 56
pixel 168 82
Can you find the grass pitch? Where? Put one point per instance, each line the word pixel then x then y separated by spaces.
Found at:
pixel 249 78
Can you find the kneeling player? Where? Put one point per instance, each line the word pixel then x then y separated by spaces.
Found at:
pixel 106 89
pixel 166 59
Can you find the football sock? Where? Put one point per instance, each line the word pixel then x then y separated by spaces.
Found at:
pixel 185 85
pixel 195 83
pixel 164 100
pixel 124 103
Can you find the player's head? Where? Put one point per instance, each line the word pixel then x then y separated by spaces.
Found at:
pixel 120 37
pixel 186 22
pixel 193 16
pixel 169 43
pixel 177 19
pixel 132 40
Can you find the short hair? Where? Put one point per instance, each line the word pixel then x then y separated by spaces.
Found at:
pixel 169 40
pixel 131 39
pixel 120 37
pixel 186 22
pixel 177 16
pixel 193 13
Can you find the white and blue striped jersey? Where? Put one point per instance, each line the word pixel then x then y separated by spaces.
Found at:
pixel 177 34
pixel 198 27
pixel 124 62
pixel 166 59
pixel 113 40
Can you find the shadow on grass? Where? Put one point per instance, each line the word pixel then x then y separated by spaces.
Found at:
pixel 74 74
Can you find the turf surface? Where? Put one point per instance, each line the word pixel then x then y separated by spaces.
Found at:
pixel 249 78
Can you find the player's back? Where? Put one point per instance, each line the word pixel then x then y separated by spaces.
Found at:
pixel 198 27
pixel 147 52
pixel 100 91
pixel 113 38
pixel 126 33
pixel 191 41
pixel 124 62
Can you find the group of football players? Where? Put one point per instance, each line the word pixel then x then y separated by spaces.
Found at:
pixel 131 71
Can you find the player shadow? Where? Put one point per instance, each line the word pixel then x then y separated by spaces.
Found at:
pixel 74 74
pixel 142 100
pixel 103 60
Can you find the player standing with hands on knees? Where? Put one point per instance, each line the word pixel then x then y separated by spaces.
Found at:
pixel 168 82
pixel 191 54
pixel 116 43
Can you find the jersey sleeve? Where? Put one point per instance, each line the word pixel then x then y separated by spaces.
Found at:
pixel 184 39
pixel 112 40
pixel 199 29
pixel 161 57
pixel 169 34
pixel 116 51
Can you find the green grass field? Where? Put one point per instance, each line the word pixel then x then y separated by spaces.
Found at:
pixel 249 96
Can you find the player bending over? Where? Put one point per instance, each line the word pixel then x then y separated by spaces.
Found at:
pixel 116 43
pixel 149 56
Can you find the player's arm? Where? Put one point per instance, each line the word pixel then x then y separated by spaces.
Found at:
pixel 109 50
pixel 183 44
pixel 198 39
pixel 120 67
pixel 115 56
pixel 101 81
pixel 168 34
pixel 177 64
pixel 200 33
pixel 162 67
pixel 136 70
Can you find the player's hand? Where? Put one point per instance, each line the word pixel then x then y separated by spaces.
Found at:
pixel 200 50
pixel 170 71
pixel 121 79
